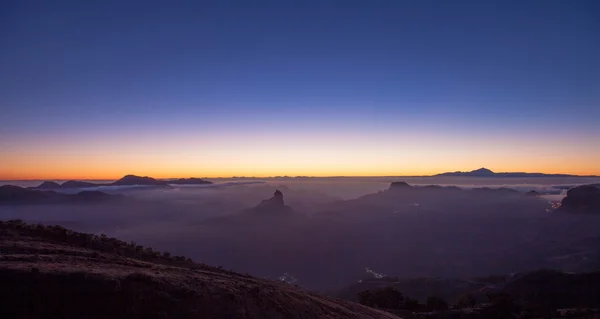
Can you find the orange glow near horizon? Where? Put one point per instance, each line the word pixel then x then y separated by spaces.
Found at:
pixel 315 155
pixel 298 89
pixel 85 173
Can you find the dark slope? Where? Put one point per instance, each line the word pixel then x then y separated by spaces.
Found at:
pixel 54 272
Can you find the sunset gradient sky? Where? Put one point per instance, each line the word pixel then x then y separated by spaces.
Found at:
pixel 96 90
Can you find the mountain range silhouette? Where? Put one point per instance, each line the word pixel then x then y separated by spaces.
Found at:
pixel 484 172
pixel 127 180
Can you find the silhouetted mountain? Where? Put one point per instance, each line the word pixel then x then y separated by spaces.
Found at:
pixel 399 185
pixel 585 198
pixel 65 185
pixel 263 215
pixel 132 180
pixel 10 194
pixel 402 229
pixel 274 202
pixel 53 272
pixel 402 191
pixel 484 172
pixel 78 184
pixel 273 205
pixel 48 185
pixel 128 180
pixel 188 181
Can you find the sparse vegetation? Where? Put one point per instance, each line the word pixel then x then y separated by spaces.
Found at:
pixel 53 272
pixel 100 243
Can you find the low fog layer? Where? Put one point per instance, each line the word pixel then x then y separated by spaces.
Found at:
pixel 329 231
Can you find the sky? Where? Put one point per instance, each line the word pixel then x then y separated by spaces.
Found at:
pixel 99 89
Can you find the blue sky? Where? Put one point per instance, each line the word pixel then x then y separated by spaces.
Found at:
pixel 451 68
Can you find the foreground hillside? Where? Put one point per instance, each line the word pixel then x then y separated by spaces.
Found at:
pixel 49 271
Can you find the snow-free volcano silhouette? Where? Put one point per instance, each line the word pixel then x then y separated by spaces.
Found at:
pixel 131 180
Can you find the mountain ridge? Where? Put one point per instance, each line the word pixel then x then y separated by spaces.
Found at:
pixel 127 180
pixel 484 172
pixel 10 194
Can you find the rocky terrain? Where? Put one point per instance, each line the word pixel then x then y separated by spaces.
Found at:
pixel 50 271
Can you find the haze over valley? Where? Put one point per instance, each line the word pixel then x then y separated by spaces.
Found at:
pixel 325 232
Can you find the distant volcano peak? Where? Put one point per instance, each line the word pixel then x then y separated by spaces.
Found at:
pixel 483 171
pixel 128 180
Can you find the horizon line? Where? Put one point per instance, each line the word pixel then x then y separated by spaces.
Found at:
pixel 285 176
